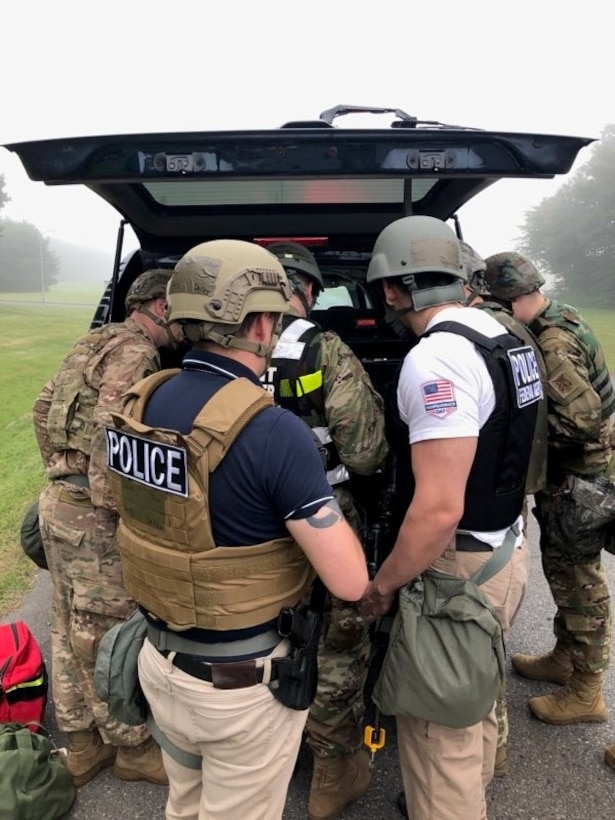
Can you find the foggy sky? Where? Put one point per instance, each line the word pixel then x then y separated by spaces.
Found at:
pixel 138 66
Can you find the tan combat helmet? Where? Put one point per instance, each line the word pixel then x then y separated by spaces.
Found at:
pixel 511 274
pixel 149 285
pixel 216 284
pixel 415 245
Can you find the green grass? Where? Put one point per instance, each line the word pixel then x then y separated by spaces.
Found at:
pixel 62 293
pixel 602 322
pixel 33 341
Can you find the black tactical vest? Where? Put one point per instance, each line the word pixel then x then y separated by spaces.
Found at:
pixel 496 485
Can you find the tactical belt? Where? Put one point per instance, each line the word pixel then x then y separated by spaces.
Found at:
pixel 222 675
pixel 167 641
pixel 468 543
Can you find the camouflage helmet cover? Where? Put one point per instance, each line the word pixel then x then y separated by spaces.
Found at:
pixel 511 274
pixel 475 267
pixel 220 282
pixel 149 285
pixel 296 258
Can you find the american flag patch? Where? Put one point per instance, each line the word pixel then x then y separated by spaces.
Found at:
pixel 439 398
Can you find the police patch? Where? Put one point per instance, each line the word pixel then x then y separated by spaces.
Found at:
pixel 157 465
pixel 526 375
pixel 439 398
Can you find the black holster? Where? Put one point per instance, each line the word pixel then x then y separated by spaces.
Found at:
pixel 296 676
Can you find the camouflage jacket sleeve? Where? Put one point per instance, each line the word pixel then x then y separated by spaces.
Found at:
pixel 40 413
pixel 353 408
pixel 574 406
pixel 112 373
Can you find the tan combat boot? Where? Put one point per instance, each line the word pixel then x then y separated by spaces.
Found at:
pixel 142 762
pixel 337 782
pixel 501 761
pixel 579 701
pixel 87 755
pixel 609 756
pixel 554 666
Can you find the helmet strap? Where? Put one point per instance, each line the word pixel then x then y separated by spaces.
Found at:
pixel 438 295
pixel 160 322
pixel 299 290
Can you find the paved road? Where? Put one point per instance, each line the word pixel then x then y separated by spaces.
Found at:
pixel 556 773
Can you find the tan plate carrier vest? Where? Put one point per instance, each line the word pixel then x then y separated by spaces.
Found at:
pixel 170 562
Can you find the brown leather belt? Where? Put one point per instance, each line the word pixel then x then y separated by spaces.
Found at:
pixel 467 543
pixel 238 675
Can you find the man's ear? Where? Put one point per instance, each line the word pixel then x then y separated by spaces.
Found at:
pixel 389 291
pixel 261 327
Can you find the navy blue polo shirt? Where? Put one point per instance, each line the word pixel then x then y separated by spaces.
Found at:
pixel 272 472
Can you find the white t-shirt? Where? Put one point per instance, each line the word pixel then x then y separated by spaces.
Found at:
pixel 445 390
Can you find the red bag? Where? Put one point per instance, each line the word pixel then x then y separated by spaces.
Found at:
pixel 23 677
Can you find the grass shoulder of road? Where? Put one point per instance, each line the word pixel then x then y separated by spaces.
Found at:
pixel 34 340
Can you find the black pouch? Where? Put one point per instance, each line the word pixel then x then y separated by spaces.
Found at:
pixel 295 677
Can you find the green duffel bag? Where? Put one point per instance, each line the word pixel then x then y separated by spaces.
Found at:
pixel 116 677
pixel 446 661
pixel 34 783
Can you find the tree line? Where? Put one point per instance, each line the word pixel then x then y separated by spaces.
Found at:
pixel 570 235
pixel 26 262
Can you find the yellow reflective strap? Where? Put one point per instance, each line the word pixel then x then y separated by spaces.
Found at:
pixel 308 383
pixel 25 684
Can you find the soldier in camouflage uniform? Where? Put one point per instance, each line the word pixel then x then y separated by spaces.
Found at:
pixel 580 403
pixel 480 297
pixel 317 376
pixel 78 525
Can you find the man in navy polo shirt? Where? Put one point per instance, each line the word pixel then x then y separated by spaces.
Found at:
pixel 225 515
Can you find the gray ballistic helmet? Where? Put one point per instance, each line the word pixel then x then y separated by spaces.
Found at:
pixel 216 284
pixel 511 274
pixel 416 245
pixel 296 258
pixel 475 267
pixel 149 285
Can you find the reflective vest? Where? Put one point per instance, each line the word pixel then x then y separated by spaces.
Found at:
pixel 170 562
pixel 298 385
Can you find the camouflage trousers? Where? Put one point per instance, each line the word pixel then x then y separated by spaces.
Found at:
pixel 87 600
pixel 335 722
pixel 572 565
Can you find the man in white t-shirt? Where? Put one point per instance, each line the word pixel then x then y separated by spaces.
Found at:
pixel 468 392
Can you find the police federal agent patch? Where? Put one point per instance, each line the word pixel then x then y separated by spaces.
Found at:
pixel 526 375
pixel 154 464
pixel 439 398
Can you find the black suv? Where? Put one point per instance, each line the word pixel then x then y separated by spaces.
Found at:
pixel 333 189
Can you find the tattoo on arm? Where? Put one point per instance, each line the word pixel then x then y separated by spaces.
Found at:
pixel 327 516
